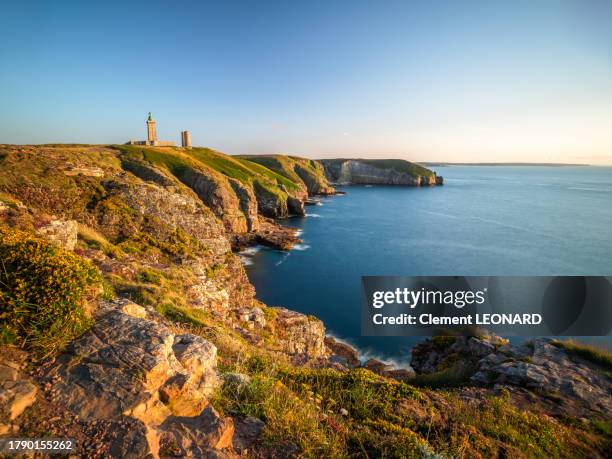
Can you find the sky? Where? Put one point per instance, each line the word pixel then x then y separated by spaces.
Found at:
pixel 456 81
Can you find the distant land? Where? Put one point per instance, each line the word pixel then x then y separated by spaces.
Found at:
pixel 439 164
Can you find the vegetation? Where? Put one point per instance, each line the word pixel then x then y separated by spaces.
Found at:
pixel 43 290
pixel 592 353
pixel 309 412
pixel 179 162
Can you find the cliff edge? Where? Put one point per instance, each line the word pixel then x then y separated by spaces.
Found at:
pixel 128 324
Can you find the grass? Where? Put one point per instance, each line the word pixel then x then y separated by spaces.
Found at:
pixel 592 353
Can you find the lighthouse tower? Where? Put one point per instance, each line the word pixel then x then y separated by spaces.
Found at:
pixel 151 130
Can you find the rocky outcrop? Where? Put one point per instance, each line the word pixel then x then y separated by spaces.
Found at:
pixel 130 365
pixel 295 206
pixel 162 212
pixel 62 232
pixel 315 180
pixel 384 172
pixel 216 192
pixel 579 387
pixel 248 203
pixel 541 366
pixel 342 353
pixel 300 336
pixel 271 203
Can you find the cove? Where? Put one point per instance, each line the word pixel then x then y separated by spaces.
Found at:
pixel 484 221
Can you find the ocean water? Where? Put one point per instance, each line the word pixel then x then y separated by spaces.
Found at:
pixel 483 221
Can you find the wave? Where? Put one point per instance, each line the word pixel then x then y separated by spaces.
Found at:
pixel 301 247
pixel 313 215
pixel 598 190
pixel 250 251
pixel 246 261
pixel 282 260
pixel 299 232
pixel 366 354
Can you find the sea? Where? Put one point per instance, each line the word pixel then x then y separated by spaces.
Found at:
pixel 484 221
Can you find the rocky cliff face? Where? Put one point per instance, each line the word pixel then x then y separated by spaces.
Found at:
pixel 177 358
pixel 383 172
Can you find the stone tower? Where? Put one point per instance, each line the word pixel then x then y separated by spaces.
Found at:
pixel 151 130
pixel 186 139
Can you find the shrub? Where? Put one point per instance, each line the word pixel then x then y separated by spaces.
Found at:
pixel 42 292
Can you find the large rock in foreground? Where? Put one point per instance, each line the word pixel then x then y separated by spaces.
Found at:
pixel 129 365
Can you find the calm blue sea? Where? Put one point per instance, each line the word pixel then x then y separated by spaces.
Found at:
pixel 484 221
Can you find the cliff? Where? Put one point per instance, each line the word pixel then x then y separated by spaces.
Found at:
pixel 378 172
pixel 128 324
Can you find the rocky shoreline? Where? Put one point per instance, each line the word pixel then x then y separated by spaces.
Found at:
pixel 143 337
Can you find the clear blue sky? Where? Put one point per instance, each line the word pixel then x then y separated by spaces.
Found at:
pixel 431 80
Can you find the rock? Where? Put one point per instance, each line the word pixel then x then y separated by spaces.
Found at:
pixel 199 358
pixel 196 436
pixel 358 172
pixel 342 353
pixel 271 203
pixel 252 315
pixel 171 211
pixel 246 432
pixel 118 367
pixel 208 295
pixel 377 366
pixel 236 381
pixel 62 232
pixel 479 347
pixel 400 374
pixel 132 439
pixel 17 393
pixel 216 192
pixel 295 206
pixel 344 412
pixel 428 355
pixel 299 335
pixel 549 370
pixel 273 235
pixel 314 178
pixel 248 204
pixel 85 171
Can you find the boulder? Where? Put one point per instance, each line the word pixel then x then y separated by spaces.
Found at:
pixel 196 436
pixel 62 232
pixel 300 336
pixel 246 432
pixel 342 353
pixel 254 316
pixel 548 369
pixel 120 365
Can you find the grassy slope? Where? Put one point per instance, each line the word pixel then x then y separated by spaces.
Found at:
pixel 178 160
